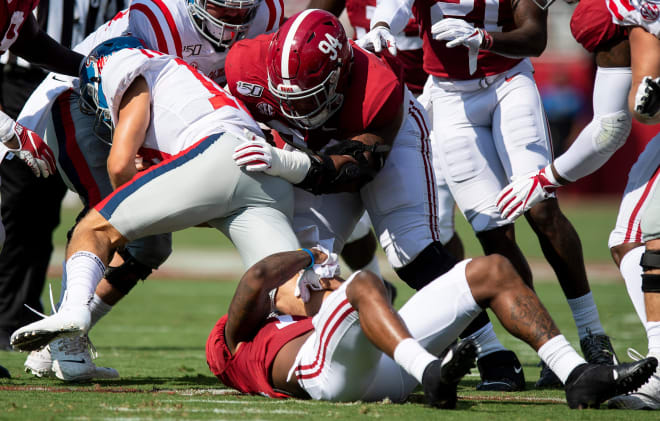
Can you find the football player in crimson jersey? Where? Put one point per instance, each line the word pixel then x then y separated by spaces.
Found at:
pixel 357 347
pixel 409 53
pixel 643 21
pixel 159 106
pixel 493 128
pixel 321 86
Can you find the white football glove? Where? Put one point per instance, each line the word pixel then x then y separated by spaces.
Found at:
pixel 256 155
pixel 376 39
pixel 525 192
pixel 32 149
pixel 647 98
pixel 309 280
pixel 459 32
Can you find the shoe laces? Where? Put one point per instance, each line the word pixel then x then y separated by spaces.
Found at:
pixel 597 349
pixel 52 303
pixel 77 345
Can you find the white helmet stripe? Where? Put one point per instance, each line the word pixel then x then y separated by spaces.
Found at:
pixel 288 42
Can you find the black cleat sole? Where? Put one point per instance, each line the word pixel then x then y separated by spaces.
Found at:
pixel 34 341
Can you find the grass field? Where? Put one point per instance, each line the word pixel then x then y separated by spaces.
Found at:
pixel 155 338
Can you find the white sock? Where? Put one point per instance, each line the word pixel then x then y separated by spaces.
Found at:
pixel 98 308
pixel 486 341
pixel 585 315
pixel 631 271
pixel 84 270
pixel 653 334
pixel 412 357
pixel 560 356
pixel 373 267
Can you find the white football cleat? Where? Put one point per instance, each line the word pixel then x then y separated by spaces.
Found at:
pixel 76 364
pixel 646 397
pixel 39 363
pixel 72 360
pixel 72 320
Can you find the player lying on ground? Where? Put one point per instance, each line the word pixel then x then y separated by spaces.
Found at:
pixel 357 347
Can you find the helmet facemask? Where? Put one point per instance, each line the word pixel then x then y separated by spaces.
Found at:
pixel 222 32
pixel 311 108
pixel 93 102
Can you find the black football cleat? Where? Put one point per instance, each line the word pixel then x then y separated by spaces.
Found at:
pixel 597 349
pixel 589 385
pixel 548 379
pixel 501 371
pixel 441 377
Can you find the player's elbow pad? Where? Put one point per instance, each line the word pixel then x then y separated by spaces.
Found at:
pixel 613 130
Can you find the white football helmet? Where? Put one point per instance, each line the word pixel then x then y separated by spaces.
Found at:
pixel 222 22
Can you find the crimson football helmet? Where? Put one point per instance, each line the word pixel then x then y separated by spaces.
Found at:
pixel 222 22
pixel 308 62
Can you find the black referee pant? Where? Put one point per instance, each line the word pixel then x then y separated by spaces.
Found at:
pixel 30 212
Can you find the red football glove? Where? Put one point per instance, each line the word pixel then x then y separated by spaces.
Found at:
pixel 34 151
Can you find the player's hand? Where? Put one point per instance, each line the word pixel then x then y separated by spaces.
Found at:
pixel 459 32
pixel 34 152
pixel 525 192
pixel 647 98
pixel 310 279
pixel 378 38
pixel 254 153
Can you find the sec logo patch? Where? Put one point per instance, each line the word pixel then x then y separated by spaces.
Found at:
pixel 266 109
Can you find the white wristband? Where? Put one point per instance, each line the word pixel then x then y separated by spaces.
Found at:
pixel 289 165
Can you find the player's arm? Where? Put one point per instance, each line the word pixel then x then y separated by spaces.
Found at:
pixel 129 133
pixel 530 36
pixel 644 97
pixel 251 303
pixel 333 6
pixel 352 163
pixel 37 47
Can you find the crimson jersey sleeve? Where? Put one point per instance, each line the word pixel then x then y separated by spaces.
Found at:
pixel 13 15
pixel 374 94
pixel 248 369
pixel 592 26
pixel 247 78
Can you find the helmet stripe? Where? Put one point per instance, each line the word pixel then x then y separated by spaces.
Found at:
pixel 288 42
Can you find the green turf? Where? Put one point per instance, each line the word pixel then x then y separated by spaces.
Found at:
pixel 156 337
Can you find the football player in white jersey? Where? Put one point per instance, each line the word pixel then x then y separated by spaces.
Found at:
pixel 643 18
pixel 197 31
pixel 148 100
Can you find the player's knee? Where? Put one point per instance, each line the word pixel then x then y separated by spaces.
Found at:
pixel 364 287
pixel 501 273
pixel 613 130
pixel 125 276
pixel 620 250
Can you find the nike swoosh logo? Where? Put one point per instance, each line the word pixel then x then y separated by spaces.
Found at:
pixel 80 361
pixel 517 370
